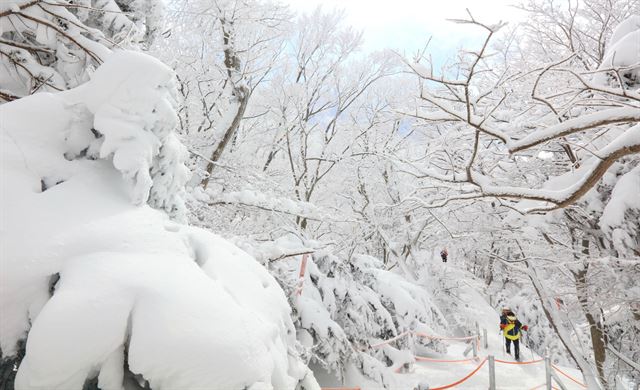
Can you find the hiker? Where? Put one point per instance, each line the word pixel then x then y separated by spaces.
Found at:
pixel 503 315
pixel 444 254
pixel 511 326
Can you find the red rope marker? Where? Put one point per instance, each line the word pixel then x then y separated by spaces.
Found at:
pixel 463 379
pixel 303 267
pixel 568 376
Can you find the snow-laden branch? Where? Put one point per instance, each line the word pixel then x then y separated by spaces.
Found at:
pixel 588 102
pixel 626 144
pixel 581 123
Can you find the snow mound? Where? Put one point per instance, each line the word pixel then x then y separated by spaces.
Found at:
pixel 103 287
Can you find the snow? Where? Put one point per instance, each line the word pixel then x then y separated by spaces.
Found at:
pixel 624 199
pixel 102 281
pixel 583 122
pixel 133 109
pixel 476 309
pixel 189 308
pixel 623 48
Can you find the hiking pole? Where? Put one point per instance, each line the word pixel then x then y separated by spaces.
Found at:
pixel 528 343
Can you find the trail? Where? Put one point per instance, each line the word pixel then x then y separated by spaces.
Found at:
pixel 444 371
pixel 508 374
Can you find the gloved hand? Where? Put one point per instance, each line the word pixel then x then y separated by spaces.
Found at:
pixel 525 328
pixel 502 326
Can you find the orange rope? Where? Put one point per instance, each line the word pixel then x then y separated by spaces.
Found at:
pixel 529 362
pixel 568 376
pixel 426 359
pixel 463 379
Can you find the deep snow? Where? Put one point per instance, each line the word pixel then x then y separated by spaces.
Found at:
pixel 190 309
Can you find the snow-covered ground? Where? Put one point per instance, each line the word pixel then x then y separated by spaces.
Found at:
pixel 508 376
pixel 437 374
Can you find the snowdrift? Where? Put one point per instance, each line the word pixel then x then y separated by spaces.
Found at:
pixel 103 285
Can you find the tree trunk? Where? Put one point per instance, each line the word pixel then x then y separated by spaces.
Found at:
pixel 242 93
pixel 595 326
pixel 553 316
pixel 239 90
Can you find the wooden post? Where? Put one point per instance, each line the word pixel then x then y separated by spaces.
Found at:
pixel 492 373
pixel 486 340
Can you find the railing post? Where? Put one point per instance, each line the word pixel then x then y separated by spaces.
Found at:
pixel 547 371
pixel 492 373
pixel 474 344
pixel 303 267
pixel 486 340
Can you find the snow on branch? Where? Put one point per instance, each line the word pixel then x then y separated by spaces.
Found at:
pixel 581 123
pixel 604 109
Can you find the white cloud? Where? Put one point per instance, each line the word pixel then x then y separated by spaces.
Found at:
pixel 408 24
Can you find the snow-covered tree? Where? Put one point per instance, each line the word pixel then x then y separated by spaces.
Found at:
pixel 119 295
pixel 56 45
pixel 553 135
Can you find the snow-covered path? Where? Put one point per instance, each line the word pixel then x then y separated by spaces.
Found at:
pixel 508 376
pixel 441 374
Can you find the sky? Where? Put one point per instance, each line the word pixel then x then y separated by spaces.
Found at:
pixel 406 25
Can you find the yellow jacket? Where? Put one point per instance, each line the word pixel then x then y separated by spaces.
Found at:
pixel 511 332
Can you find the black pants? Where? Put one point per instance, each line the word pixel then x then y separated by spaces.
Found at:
pixel 516 347
pixel 444 259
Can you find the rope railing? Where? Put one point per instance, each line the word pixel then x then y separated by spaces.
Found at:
pixel 459 381
pixel 476 343
pixel 568 376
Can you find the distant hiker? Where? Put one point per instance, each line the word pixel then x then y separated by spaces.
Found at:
pixel 511 329
pixel 444 254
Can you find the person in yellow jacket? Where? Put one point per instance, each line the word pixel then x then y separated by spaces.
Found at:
pixel 511 330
